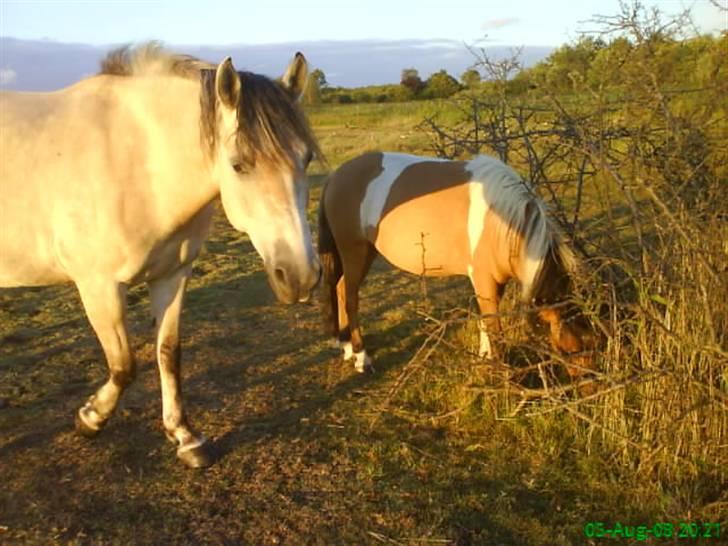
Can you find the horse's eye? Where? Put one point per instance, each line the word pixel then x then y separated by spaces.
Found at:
pixel 239 168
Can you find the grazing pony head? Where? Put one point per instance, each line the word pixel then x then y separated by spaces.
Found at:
pixel 528 244
pixel 569 330
pixel 531 248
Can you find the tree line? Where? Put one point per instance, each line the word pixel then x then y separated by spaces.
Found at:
pixel 411 87
pixel 591 62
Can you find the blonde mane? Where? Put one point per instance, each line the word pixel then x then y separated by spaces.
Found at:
pixel 151 59
pixel 526 217
pixel 271 124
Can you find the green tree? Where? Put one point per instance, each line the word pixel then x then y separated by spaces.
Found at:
pixel 441 85
pixel 411 80
pixel 571 62
pixel 320 77
pixel 470 78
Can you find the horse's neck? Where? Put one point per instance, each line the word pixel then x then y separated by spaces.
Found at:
pixel 552 283
pixel 181 176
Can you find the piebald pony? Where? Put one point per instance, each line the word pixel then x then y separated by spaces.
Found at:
pixel 435 217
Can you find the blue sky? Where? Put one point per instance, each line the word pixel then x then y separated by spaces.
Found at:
pixel 512 22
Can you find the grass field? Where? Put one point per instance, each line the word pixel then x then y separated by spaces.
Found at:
pixel 422 452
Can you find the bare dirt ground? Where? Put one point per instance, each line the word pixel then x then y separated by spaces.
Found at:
pixel 306 454
pixel 310 451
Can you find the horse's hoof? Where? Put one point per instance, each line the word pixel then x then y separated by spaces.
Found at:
pixel 200 456
pixel 83 428
pixel 363 363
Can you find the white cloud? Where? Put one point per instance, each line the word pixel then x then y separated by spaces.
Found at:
pixel 7 76
pixel 491 24
pixel 438 43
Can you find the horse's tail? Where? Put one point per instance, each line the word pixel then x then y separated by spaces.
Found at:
pixel 332 269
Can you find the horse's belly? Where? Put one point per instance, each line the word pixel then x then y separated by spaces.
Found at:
pixel 422 242
pixel 28 267
pixel 27 257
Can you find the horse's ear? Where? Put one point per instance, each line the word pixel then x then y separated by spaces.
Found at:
pixel 227 83
pixel 295 77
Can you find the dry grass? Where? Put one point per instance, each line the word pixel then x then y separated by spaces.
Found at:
pixel 438 447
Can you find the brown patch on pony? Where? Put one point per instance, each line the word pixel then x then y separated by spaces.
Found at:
pixel 423 191
pixel 423 178
pixel 341 200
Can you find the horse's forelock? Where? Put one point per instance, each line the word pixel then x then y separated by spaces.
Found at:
pixel 552 279
pixel 271 124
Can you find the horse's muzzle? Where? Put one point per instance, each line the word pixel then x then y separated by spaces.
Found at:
pixel 292 283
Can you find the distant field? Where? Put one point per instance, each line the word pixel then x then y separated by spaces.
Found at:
pixel 422 452
pixel 347 130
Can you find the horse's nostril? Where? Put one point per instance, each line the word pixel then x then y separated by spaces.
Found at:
pixel 280 275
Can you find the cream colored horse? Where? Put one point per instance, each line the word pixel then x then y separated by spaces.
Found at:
pixel 433 217
pixel 112 182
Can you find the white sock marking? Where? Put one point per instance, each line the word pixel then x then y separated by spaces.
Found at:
pixel 192 445
pixel 348 349
pixel 485 348
pixel 362 362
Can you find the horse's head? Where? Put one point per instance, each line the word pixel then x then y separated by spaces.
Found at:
pixel 569 330
pixel 572 335
pixel 260 145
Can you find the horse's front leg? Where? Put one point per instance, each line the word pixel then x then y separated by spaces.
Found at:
pixel 167 296
pixel 105 305
pixel 488 293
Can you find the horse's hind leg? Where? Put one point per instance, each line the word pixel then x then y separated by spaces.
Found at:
pixel 342 319
pixel 105 304
pixel 167 296
pixel 356 262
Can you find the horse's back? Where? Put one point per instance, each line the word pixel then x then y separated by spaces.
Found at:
pixel 92 179
pixel 55 166
pixel 413 209
pixel 27 256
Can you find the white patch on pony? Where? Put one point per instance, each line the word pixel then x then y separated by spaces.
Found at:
pixel 362 362
pixel 370 210
pixel 348 349
pixel 477 209
pixel 485 348
pixel 508 194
